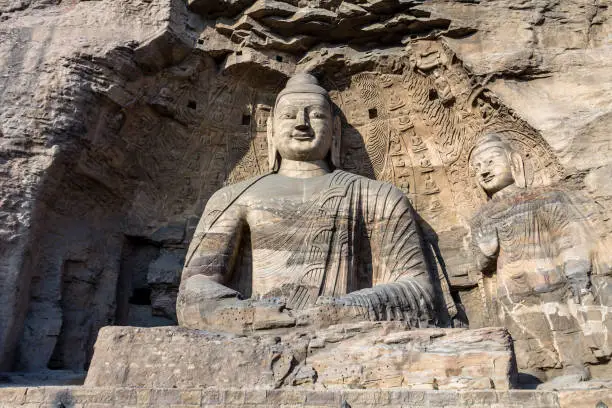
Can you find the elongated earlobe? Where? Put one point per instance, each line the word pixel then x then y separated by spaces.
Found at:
pixel 518 170
pixel 336 142
pixel 272 152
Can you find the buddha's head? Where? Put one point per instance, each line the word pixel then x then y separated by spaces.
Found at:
pixel 303 125
pixel 496 164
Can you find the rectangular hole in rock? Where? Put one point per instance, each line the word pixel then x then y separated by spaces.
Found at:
pixel 279 58
pixel 192 104
pixel 372 113
pixel 238 53
pixel 140 296
pixel 133 290
pixel 246 120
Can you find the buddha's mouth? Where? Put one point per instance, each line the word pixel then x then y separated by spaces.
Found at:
pixel 302 136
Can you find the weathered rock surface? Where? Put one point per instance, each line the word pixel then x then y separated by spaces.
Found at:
pixel 105 397
pixel 108 397
pixel 59 246
pixel 364 355
pixel 597 397
pixel 119 119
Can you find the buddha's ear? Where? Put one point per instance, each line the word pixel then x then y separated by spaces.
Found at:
pixel 272 152
pixel 336 142
pixel 518 169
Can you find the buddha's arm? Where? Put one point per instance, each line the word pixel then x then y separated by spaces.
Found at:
pixel 204 301
pixel 210 261
pixel 402 287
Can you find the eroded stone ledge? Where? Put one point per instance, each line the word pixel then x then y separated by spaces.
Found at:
pixel 375 355
pixel 102 397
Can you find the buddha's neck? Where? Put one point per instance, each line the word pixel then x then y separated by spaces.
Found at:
pixel 303 169
pixel 506 191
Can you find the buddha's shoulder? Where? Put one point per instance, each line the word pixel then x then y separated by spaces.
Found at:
pixel 525 200
pixel 370 184
pixel 231 193
pixel 554 194
pixel 372 190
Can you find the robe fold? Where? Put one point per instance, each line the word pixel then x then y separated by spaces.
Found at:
pixel 350 234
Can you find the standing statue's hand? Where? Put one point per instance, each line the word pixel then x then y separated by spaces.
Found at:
pixel 486 238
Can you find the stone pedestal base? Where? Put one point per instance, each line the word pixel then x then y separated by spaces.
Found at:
pixel 378 355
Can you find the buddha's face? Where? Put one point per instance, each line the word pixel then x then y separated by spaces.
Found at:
pixel 493 169
pixel 303 127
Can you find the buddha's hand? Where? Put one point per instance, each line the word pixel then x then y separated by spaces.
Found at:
pixel 207 305
pixel 244 316
pixel 268 314
pixel 328 311
pixel 367 304
pixel 198 297
pixel 391 301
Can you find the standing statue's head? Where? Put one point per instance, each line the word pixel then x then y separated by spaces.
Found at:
pixel 303 125
pixel 497 165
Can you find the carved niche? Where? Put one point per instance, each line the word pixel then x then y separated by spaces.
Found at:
pixel 414 128
pixel 410 121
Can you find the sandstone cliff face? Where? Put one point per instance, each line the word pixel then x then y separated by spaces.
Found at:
pixel 61 239
pixel 119 119
pixel 550 62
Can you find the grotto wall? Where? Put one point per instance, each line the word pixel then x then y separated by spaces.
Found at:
pixel 119 120
pixel 60 224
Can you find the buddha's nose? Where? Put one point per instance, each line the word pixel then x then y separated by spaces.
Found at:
pixel 301 122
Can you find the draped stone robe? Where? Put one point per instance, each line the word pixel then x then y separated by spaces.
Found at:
pixel 541 242
pixel 542 261
pixel 325 236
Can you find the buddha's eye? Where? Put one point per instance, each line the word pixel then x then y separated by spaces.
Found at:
pixel 317 115
pixel 287 115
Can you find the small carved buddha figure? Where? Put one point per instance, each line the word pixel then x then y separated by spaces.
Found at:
pixel 535 241
pixel 325 246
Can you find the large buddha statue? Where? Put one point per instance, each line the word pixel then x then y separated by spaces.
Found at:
pixel 535 245
pixel 326 246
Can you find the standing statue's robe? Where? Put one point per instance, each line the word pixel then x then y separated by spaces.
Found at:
pixel 347 234
pixel 541 241
pixel 542 259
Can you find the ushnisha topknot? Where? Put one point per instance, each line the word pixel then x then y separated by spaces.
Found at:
pixel 302 83
pixel 489 140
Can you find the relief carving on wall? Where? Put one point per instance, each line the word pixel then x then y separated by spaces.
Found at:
pixel 412 124
pixel 539 254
